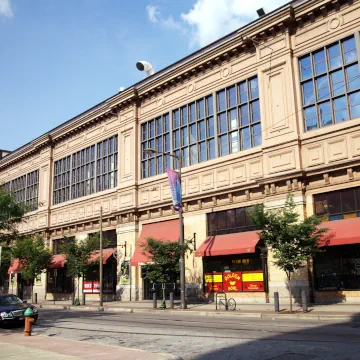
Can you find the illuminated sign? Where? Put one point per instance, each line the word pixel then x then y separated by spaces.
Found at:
pixel 254 276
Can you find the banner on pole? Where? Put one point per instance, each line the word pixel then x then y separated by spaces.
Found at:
pixel 175 188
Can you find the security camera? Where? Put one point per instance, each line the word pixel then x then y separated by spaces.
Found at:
pixel 145 66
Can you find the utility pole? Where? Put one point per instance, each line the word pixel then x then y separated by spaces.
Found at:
pixel 101 260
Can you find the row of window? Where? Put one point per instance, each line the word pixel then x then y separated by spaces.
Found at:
pixel 25 189
pixel 203 130
pixel 87 171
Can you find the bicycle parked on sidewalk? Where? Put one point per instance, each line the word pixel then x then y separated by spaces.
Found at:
pixel 223 303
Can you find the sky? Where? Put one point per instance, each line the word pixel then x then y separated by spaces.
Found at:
pixel 59 58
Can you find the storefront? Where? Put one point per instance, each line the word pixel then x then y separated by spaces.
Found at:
pixel 233 259
pixel 164 231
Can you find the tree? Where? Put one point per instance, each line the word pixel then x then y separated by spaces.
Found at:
pixel 78 254
pixel 165 256
pixel 12 213
pixel 33 256
pixel 292 241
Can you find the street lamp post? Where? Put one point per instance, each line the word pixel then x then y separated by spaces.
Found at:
pixel 181 225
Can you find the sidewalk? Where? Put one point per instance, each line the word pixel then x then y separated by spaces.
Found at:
pixel 342 312
pixel 16 346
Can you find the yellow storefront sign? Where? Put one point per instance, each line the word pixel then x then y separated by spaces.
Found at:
pixel 213 278
pixel 249 277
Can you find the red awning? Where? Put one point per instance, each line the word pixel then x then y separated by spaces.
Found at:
pixel 58 261
pixel 341 232
pixel 229 244
pixel 14 267
pixel 95 256
pixel 164 231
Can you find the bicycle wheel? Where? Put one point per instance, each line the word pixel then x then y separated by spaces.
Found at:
pixel 231 304
pixel 222 304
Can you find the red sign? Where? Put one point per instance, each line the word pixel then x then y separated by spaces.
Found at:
pixel 232 281
pixel 214 287
pixel 253 286
pixel 91 287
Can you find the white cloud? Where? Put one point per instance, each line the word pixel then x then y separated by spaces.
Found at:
pixel 209 20
pixel 155 17
pixel 5 8
pixel 152 13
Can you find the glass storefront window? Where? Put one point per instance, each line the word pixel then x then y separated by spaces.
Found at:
pixel 338 268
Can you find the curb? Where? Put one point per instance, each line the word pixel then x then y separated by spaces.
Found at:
pixel 319 317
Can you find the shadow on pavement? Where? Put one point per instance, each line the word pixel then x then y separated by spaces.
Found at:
pixel 333 341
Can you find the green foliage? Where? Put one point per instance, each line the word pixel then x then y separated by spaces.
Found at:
pixel 78 253
pixel 291 241
pixel 11 215
pixel 32 254
pixel 165 256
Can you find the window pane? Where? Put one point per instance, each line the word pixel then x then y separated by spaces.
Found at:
pixel 224 145
pixel 152 165
pixel 320 62
pixel 321 204
pixel 210 124
pixel 185 136
pixel 159 144
pixel 245 139
pixel 177 139
pixel 151 130
pixel 144 133
pixel 176 119
pixel 192 133
pixel 209 106
pixel 192 112
pixel 334 202
pixel 201 109
pixel 349 50
pixel 166 123
pixel 232 96
pixel 254 90
pixel 202 130
pixel 308 93
pixel 230 219
pixel 353 77
pixel 193 154
pixel 202 148
pixel 255 111
pixel 305 67
pixel 167 142
pixel 234 140
pixel 334 56
pixel 310 118
pixel 341 112
pixel 185 156
pixel 244 113
pixel 233 119
pixel 159 128
pixel 348 200
pixel 184 115
pixel 211 148
pixel 240 217
pixel 257 134
pixel 221 101
pixel 338 82
pixel 243 92
pixel 222 123
pixel 325 113
pixel 322 87
pixel 354 100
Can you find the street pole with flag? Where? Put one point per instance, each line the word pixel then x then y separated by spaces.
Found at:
pixel 176 192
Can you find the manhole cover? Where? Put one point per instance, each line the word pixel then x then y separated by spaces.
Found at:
pixel 292 356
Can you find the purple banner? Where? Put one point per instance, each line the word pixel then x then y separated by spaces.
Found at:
pixel 175 188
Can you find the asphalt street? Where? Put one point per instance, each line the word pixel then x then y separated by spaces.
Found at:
pixel 199 337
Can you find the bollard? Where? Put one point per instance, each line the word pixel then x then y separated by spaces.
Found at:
pixel 304 301
pixel 35 298
pixel 154 300
pixel 83 299
pixel 171 300
pixel 73 299
pixel 276 301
